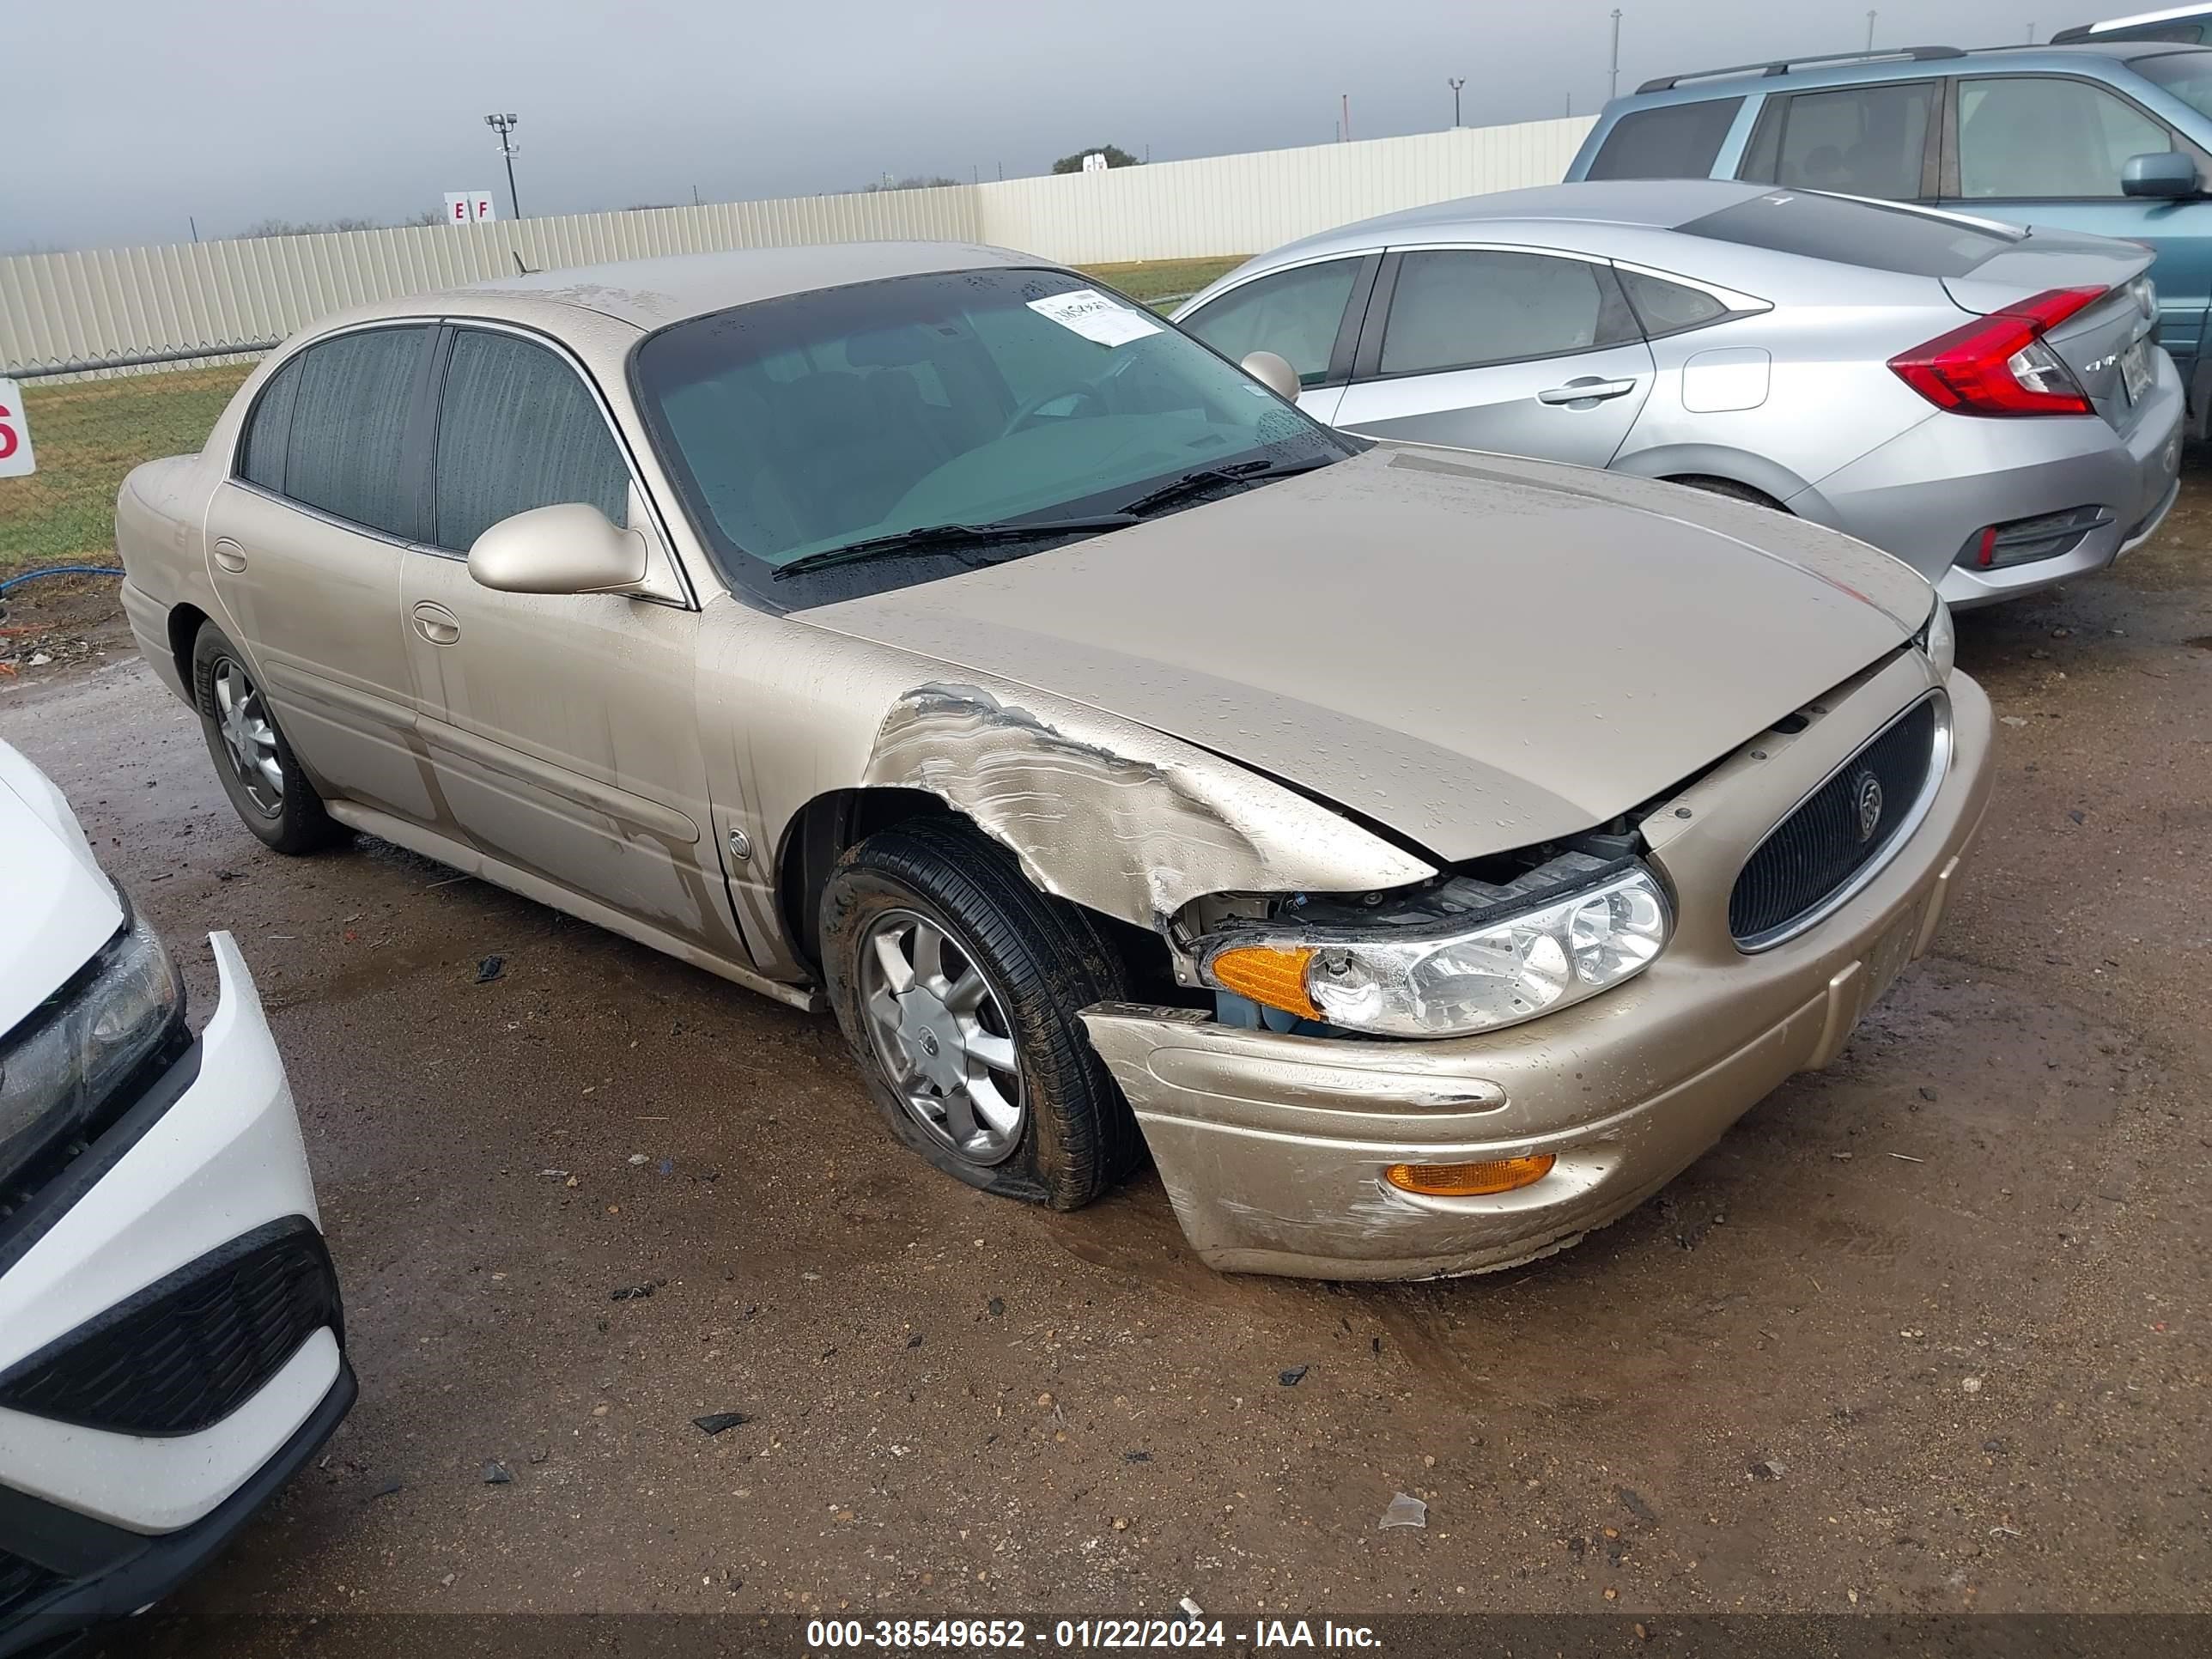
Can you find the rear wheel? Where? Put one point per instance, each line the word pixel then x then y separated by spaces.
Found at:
pixel 1731 489
pixel 272 795
pixel 957 985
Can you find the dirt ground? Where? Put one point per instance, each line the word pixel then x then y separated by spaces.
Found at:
pixel 1926 1333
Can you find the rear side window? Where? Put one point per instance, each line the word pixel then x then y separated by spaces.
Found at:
pixel 348 434
pixel 2042 136
pixel 1855 233
pixel 1454 309
pixel 1673 141
pixel 1665 307
pixel 1295 314
pixel 517 430
pixel 1858 141
pixel 268 430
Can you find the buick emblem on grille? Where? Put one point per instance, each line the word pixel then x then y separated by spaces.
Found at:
pixel 1868 793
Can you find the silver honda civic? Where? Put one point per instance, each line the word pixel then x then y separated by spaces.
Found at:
pixel 1988 404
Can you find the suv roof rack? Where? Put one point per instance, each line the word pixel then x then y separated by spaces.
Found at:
pixel 1783 65
pixel 2081 32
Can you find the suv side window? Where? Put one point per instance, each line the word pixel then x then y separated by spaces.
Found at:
pixel 1673 141
pixel 348 440
pixel 1464 308
pixel 1295 314
pixel 517 429
pixel 2027 136
pixel 1857 141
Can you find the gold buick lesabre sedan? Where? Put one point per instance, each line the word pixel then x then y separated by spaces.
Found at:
pixel 1421 855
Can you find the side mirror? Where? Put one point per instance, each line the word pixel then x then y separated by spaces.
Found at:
pixel 568 548
pixel 2167 174
pixel 1274 372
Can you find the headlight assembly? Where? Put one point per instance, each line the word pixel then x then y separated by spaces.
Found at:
pixel 1449 977
pixel 61 1065
pixel 1939 639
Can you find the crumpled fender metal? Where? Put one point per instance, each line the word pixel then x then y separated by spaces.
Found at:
pixel 1115 816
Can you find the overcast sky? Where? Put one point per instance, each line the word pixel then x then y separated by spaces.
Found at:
pixel 129 115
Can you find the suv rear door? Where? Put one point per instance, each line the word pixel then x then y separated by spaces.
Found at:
pixel 1877 138
pixel 1528 351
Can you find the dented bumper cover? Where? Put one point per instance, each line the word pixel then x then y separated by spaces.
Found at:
pixel 1272 1147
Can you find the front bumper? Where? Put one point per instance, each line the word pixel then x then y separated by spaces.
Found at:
pixel 1925 493
pixel 111 1473
pixel 1272 1147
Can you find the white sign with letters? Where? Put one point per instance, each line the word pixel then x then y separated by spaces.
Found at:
pixel 15 461
pixel 1095 162
pixel 1095 317
pixel 470 207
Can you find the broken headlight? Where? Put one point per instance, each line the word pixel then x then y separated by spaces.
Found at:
pixel 1938 639
pixel 1450 976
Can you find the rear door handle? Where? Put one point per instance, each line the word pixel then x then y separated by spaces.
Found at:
pixel 1588 390
pixel 435 623
pixel 228 553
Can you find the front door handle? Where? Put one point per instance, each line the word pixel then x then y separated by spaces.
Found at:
pixel 1584 393
pixel 435 623
pixel 228 553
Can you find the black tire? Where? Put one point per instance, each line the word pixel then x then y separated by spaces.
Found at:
pixel 285 812
pixel 1732 489
pixel 1042 961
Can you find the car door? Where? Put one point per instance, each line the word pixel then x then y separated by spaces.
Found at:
pixel 561 728
pixel 1307 313
pixel 306 539
pixel 2048 149
pixel 1526 352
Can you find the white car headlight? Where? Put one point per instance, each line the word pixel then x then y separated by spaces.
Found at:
pixel 1940 640
pixel 1442 978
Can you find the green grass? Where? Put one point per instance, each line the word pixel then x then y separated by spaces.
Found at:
pixel 89 433
pixel 87 436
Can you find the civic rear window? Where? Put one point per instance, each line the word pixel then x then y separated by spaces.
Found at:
pixel 1673 141
pixel 1852 233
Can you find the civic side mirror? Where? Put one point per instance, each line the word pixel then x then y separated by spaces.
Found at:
pixel 568 548
pixel 2167 174
pixel 1274 372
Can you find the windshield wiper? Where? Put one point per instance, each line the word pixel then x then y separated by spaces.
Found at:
pixel 1209 477
pixel 935 538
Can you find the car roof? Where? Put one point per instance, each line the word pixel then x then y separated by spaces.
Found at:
pixel 651 294
pixel 1644 203
pixel 1905 63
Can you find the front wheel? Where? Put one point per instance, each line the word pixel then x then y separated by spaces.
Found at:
pixel 272 795
pixel 957 985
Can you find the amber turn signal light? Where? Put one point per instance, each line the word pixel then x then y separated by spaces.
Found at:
pixel 1499 1175
pixel 1275 978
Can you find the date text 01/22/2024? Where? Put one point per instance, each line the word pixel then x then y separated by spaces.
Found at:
pixel 825 1636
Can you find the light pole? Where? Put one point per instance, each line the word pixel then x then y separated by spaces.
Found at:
pixel 1455 83
pixel 1870 17
pixel 1613 80
pixel 504 125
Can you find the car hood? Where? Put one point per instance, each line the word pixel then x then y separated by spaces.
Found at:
pixel 1479 652
pixel 60 908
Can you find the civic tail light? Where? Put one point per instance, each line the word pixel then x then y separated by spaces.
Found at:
pixel 2001 364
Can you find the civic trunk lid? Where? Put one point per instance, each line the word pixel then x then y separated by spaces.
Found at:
pixel 2094 341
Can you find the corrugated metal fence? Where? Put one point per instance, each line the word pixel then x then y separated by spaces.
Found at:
pixel 115 302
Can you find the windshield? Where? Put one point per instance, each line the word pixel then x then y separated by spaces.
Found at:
pixel 2186 75
pixel 798 427
pixel 1880 235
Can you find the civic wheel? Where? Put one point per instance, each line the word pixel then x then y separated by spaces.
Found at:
pixel 941 1034
pixel 959 988
pixel 273 797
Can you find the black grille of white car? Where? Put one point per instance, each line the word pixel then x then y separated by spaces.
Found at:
pixel 191 1348
pixel 1838 831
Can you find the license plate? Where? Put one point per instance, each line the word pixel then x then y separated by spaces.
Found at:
pixel 2134 369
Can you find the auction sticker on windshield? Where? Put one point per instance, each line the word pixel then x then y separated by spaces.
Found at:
pixel 1095 317
pixel 15 461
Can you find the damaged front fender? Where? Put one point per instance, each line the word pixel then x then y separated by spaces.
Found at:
pixel 1115 817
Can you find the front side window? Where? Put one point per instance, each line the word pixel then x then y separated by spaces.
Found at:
pixel 1295 314
pixel 1672 141
pixel 1856 141
pixel 517 429
pixel 349 428
pixel 1004 398
pixel 2042 136
pixel 1463 309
